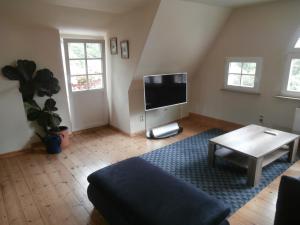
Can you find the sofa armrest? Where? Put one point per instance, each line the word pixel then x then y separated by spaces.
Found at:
pixel 288 202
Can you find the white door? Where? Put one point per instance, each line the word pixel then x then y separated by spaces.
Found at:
pixel 85 66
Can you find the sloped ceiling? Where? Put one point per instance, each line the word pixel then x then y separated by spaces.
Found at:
pixel 121 6
pixel 180 36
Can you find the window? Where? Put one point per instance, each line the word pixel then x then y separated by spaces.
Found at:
pixel 243 74
pixel 294 76
pixel 292 73
pixel 85 64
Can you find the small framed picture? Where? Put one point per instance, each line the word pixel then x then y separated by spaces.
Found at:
pixel 114 46
pixel 124 49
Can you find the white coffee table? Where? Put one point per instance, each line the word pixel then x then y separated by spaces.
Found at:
pixel 253 147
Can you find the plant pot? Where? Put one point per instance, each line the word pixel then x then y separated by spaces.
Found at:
pixel 52 143
pixel 63 132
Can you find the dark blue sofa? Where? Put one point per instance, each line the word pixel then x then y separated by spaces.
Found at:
pixel 288 202
pixel 134 192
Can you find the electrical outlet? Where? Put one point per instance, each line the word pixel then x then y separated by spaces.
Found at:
pixel 261 118
pixel 141 118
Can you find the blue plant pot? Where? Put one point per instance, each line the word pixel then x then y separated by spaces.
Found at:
pixel 52 143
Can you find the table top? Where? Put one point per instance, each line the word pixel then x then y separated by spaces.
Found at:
pixel 253 141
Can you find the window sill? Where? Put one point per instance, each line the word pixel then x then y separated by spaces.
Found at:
pixel 241 91
pixel 287 97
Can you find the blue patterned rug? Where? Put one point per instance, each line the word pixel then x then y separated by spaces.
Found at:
pixel 187 160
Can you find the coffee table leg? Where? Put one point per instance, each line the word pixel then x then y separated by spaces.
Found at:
pixel 293 150
pixel 211 153
pixel 254 171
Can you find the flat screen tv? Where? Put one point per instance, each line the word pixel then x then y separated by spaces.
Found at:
pixel 165 90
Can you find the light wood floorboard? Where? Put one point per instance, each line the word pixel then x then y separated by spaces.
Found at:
pixel 41 189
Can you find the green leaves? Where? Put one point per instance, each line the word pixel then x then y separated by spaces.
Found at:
pixel 45 117
pixel 43 83
pixel 11 73
pixel 23 72
pixel 50 105
pixel 33 114
pixel 26 68
pixel 46 84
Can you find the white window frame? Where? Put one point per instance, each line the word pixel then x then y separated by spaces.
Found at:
pixel 67 60
pixel 258 74
pixel 294 53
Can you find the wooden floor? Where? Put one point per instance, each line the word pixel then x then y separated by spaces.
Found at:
pixel 41 189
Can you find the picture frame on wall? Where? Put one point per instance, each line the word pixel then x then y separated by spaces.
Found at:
pixel 114 46
pixel 124 49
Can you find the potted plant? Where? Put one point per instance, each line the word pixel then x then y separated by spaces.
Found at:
pixel 43 84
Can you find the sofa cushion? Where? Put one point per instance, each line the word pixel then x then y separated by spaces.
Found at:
pixel 288 202
pixel 154 197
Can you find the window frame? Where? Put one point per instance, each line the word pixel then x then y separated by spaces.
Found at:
pixel 257 76
pixel 294 53
pixel 66 41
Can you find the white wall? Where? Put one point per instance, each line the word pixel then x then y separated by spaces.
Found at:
pixel 41 45
pixel 133 26
pixel 15 133
pixel 264 31
pixel 179 38
pixel 30 30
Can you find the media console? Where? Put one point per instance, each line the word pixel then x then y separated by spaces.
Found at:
pixel 164 131
pixel 161 91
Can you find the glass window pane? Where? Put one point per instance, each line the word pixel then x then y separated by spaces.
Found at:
pixel 234 80
pixel 94 66
pixel 93 50
pixel 249 68
pixel 298 44
pixel 235 67
pixel 247 81
pixel 76 50
pixel 294 77
pixel 79 83
pixel 95 81
pixel 77 67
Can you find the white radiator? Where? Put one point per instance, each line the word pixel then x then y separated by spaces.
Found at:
pixel 296 125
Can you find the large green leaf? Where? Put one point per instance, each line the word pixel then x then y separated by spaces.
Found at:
pixel 46 84
pixel 11 73
pixel 33 114
pixel 26 68
pixel 31 104
pixel 50 105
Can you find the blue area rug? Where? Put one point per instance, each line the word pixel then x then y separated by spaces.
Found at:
pixel 187 160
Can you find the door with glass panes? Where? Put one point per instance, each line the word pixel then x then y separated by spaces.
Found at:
pixel 85 67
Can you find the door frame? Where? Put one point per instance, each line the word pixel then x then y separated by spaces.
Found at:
pixel 68 73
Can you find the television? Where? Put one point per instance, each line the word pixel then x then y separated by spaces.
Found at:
pixel 165 90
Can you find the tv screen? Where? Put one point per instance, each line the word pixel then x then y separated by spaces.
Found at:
pixel 165 90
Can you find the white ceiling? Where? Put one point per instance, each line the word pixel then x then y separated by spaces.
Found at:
pixel 231 3
pixel 120 6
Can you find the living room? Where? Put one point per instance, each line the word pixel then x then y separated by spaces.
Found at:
pixel 238 61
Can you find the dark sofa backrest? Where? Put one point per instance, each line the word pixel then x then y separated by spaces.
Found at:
pixel 288 202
